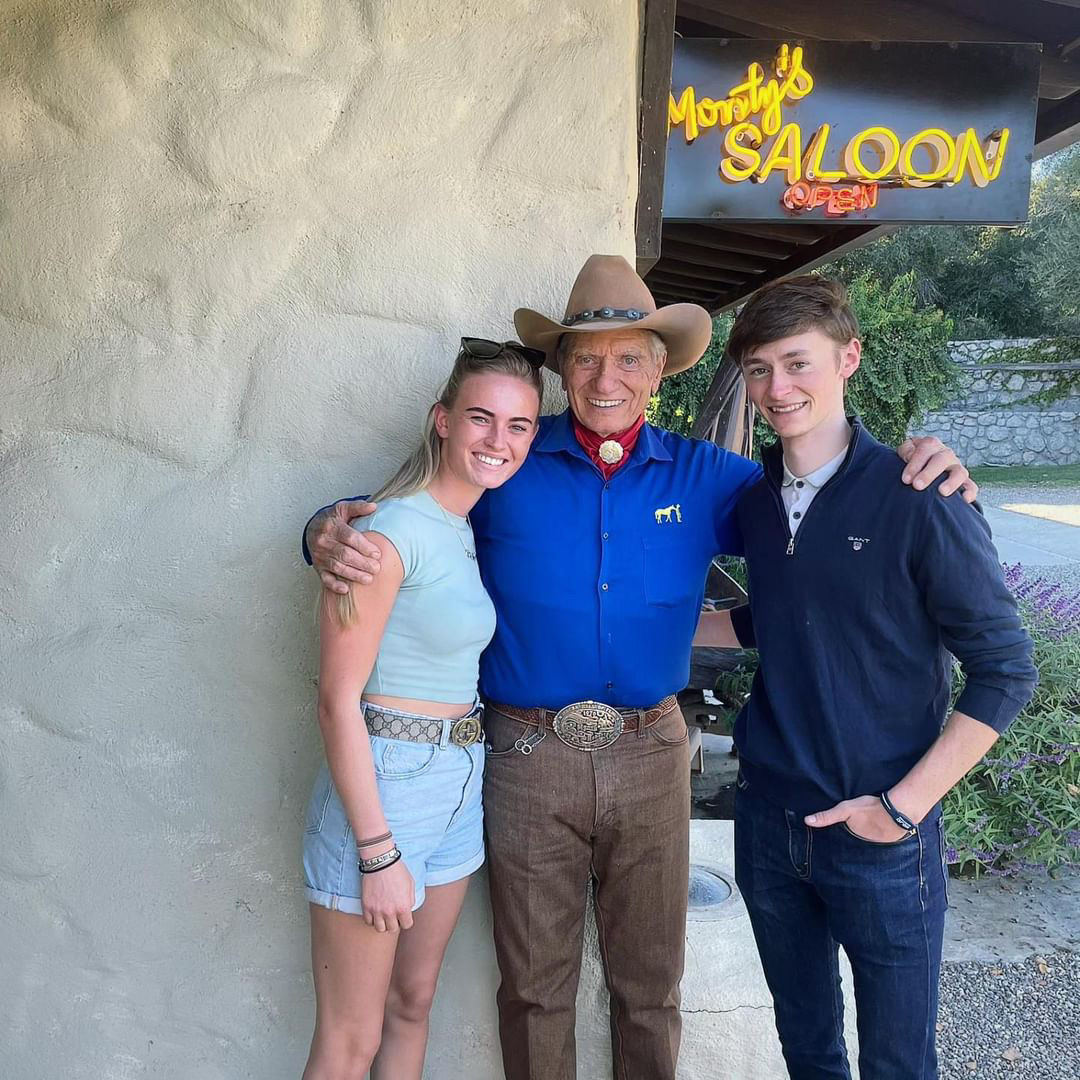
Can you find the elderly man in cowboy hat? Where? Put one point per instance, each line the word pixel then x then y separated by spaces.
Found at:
pixel 595 554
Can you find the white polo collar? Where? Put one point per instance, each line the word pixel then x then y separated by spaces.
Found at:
pixel 819 477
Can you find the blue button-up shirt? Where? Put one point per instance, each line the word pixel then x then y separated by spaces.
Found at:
pixel 598 584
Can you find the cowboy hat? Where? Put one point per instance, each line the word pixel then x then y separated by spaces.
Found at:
pixel 609 295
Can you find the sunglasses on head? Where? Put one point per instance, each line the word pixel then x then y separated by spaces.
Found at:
pixel 483 349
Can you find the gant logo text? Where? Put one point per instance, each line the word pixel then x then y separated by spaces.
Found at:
pixel 858 541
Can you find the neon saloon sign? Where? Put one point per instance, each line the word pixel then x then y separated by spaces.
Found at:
pixel 821 170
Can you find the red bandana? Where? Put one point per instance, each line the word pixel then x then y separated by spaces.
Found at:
pixel 590 441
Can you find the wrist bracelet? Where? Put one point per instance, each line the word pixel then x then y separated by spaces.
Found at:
pixel 379 862
pixel 898 816
pixel 384 866
pixel 360 844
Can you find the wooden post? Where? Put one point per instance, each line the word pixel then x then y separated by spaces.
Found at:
pixel 657 47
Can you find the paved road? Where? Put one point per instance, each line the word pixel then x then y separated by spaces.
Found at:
pixel 1033 541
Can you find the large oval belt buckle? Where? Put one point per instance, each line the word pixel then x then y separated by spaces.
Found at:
pixel 466 731
pixel 588 725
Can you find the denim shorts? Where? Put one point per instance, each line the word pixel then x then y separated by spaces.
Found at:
pixel 431 796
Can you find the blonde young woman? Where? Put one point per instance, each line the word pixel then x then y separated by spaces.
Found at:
pixel 395 823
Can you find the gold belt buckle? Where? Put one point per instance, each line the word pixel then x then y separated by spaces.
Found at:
pixel 588 725
pixel 466 730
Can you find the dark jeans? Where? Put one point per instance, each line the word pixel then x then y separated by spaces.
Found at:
pixel 809 891
pixel 554 818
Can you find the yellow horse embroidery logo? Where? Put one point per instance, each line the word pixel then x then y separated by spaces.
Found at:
pixel 665 512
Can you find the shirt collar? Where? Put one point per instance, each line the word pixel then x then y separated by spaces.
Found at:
pixel 820 476
pixel 560 436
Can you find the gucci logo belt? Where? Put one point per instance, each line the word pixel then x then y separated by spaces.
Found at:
pixel 411 727
pixel 467 731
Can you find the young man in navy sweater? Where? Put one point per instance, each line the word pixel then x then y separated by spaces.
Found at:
pixel 860 589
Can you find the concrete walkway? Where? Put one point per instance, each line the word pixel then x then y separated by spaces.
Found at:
pixel 1033 541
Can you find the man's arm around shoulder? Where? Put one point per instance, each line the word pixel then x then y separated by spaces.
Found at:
pixel 339 552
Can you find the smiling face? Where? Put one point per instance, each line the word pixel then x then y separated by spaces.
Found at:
pixel 797 383
pixel 609 376
pixel 487 432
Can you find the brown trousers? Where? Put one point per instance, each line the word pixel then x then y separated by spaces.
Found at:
pixel 556 817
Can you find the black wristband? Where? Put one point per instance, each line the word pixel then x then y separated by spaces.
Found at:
pixel 381 866
pixel 898 816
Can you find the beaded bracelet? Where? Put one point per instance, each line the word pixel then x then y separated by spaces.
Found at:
pixel 379 862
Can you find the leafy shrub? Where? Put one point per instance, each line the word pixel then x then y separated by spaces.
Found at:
pixel 1019 809
pixel 905 370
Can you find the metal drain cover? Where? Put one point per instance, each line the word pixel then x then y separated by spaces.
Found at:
pixel 711 893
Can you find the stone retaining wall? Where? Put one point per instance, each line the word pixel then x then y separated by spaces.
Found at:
pixel 993 421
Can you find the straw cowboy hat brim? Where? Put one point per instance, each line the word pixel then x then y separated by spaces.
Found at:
pixel 609 295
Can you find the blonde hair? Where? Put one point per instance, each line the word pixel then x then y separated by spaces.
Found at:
pixel 422 465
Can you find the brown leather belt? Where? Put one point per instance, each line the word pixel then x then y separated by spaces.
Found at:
pixel 584 724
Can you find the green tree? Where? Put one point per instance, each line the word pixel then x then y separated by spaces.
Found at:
pixel 992 281
pixel 905 370
pixel 675 407
pixel 1054 254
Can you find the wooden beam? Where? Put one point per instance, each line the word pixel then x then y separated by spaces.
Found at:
pixel 675 279
pixel 713 284
pixel 726 301
pixel 713 256
pixel 700 291
pixel 675 293
pixel 667 299
pixel 711 274
pixel 1057 126
pixel 706 236
pixel 720 389
pixel 705 271
pixel 788 231
pixel 845 20
pixel 688 253
pixel 856 20
pixel 658 44
pixel 1035 20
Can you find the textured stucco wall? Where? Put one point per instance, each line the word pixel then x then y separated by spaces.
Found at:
pixel 239 240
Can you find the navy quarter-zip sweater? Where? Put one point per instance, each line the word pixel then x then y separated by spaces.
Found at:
pixel 854 619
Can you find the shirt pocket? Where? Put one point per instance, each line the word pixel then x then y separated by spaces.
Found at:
pixel 670 575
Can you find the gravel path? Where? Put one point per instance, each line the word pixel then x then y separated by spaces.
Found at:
pixel 1016 1020
pixel 1000 494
